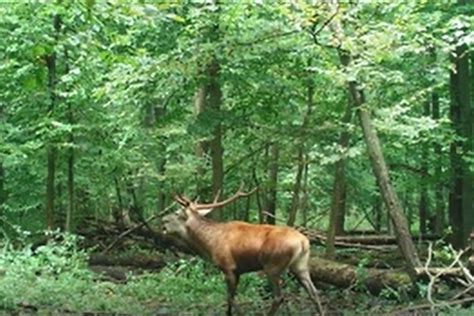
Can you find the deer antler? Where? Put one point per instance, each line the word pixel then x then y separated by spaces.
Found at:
pixel 216 204
pixel 184 201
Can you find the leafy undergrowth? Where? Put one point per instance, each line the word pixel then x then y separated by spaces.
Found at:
pixel 55 278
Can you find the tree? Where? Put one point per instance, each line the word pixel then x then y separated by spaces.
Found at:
pixel 379 166
pixel 461 194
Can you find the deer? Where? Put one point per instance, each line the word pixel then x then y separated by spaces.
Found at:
pixel 238 247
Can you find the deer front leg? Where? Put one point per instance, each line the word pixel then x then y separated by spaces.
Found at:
pixel 232 280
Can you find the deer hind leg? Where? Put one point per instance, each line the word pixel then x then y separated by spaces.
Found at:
pixel 301 272
pixel 274 279
pixel 273 270
pixel 305 280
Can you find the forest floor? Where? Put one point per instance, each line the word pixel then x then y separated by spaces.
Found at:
pixel 67 277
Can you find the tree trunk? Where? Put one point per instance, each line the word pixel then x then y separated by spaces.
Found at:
pixel 301 149
pixel 70 162
pixel 379 166
pixel 215 145
pixel 439 201
pixel 388 193
pixel 208 99
pixel 161 205
pixel 270 205
pixel 50 148
pixel 423 203
pixel 377 214
pixel 119 211
pixel 3 196
pixel 460 197
pixel 304 199
pixel 200 146
pixel 344 275
pixel 296 188
pixel 381 173
pixel 336 217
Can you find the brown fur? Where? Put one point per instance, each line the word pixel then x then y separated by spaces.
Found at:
pixel 239 247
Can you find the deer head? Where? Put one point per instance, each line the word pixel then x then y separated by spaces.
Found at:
pixel 193 212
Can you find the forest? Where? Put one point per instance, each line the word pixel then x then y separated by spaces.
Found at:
pixel 151 152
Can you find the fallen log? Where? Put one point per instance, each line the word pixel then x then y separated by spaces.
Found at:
pixel 373 242
pixel 136 261
pixel 345 275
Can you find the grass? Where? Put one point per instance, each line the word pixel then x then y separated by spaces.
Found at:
pixel 55 279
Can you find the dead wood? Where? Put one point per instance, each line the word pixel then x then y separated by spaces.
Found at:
pixel 345 275
pixel 369 241
pixel 151 262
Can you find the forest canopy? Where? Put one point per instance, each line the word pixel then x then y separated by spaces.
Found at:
pixel 349 116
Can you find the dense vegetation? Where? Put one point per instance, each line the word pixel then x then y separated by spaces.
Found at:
pixel 348 116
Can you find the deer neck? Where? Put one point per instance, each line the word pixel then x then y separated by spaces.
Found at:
pixel 203 234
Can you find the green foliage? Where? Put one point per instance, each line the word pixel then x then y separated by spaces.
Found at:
pixel 55 277
pixel 128 72
pixel 125 78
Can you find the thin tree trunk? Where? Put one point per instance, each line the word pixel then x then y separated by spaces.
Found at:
pixel 118 213
pixel 51 149
pixel 215 145
pixel 423 203
pixel 378 214
pixel 388 193
pixel 461 199
pixel 304 199
pixel 301 149
pixel 3 196
pixel 439 200
pixel 70 162
pixel 161 194
pixel 379 166
pixel 336 217
pixel 200 146
pixel 261 217
pixel 296 188
pixel 272 184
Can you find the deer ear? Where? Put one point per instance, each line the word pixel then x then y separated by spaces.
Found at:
pixel 204 212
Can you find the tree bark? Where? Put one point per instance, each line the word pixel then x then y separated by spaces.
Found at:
pixel 295 201
pixel 377 207
pixel 423 203
pixel 460 197
pixel 345 275
pixel 304 199
pixel 50 148
pixel 161 203
pixel 389 195
pixel 200 146
pixel 215 145
pixel 3 196
pixel 296 188
pixel 270 201
pixel 379 166
pixel 439 200
pixel 70 162
pixel 336 217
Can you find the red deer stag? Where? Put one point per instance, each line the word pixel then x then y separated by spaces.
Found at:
pixel 239 247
